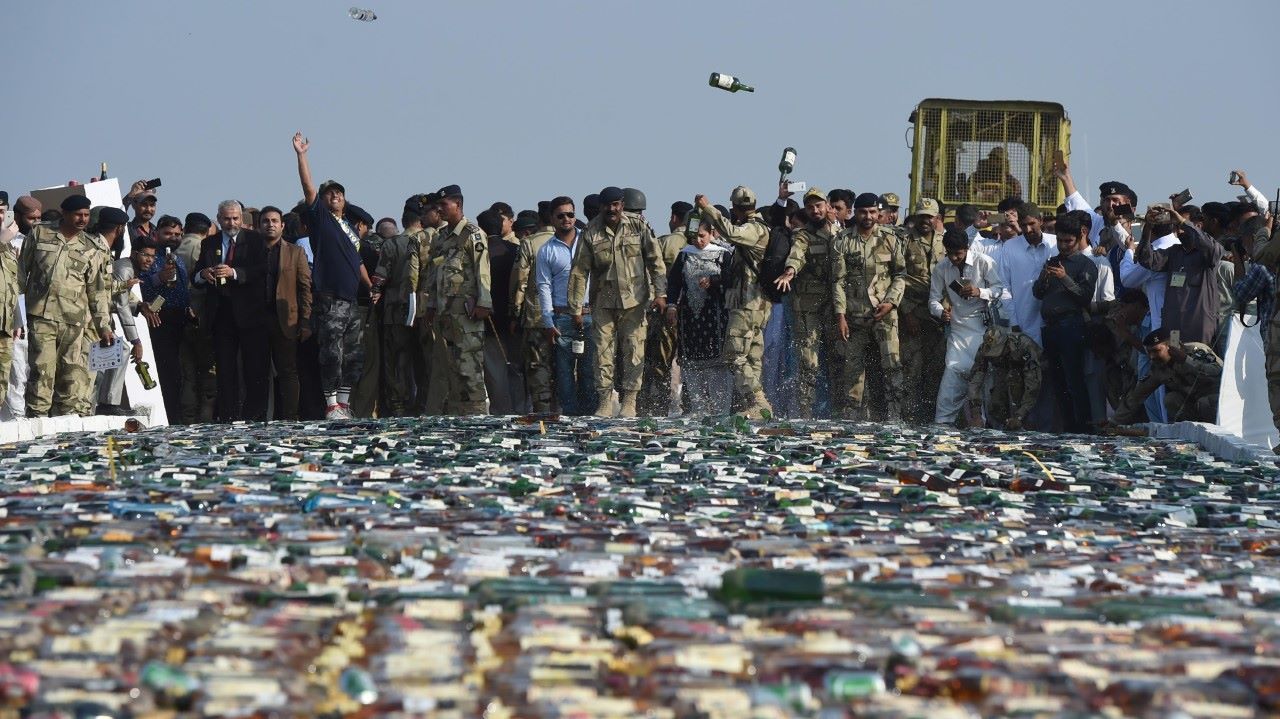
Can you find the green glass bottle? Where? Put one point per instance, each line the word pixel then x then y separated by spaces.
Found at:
pixel 728 82
pixel 750 585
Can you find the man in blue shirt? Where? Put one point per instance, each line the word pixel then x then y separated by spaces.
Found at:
pixel 575 383
pixel 336 278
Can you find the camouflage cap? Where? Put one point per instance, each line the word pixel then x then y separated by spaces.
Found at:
pixel 890 199
pixel 742 196
pixel 926 206
pixel 815 192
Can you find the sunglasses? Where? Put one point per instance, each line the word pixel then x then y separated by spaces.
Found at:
pixel 565 216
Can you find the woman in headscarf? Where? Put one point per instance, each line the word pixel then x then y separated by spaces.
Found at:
pixel 696 305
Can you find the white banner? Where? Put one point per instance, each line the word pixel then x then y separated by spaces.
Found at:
pixel 1244 408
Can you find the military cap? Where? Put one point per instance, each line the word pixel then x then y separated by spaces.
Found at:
pixel 590 203
pixel 4 199
pixel 610 195
pixel 1155 337
pixel 331 185
pixel 112 216
pixel 926 206
pixel 359 215
pixel 634 200
pixel 866 199
pixel 680 208
pixel 742 196
pixel 815 192
pixel 1113 187
pixel 74 203
pixel 890 199
pixel 450 191
pixel 525 221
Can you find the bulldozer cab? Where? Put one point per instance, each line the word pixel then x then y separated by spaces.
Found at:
pixel 980 152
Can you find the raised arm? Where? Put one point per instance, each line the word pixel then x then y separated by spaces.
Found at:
pixel 300 146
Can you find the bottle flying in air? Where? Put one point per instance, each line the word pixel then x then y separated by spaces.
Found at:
pixel 362 15
pixel 787 164
pixel 728 82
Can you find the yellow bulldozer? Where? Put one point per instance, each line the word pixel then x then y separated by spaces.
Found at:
pixel 980 152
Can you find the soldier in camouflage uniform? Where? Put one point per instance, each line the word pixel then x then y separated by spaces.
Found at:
pixel 1190 373
pixel 660 346
pixel 62 275
pixel 808 277
pixel 11 326
pixel 536 349
pixel 867 282
pixel 428 350
pixel 460 305
pixel 1010 361
pixel 395 282
pixel 922 339
pixel 620 257
pixel 743 348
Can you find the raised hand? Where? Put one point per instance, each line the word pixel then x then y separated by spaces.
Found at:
pixel 300 143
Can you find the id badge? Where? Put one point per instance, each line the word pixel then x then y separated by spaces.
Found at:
pixel 1178 279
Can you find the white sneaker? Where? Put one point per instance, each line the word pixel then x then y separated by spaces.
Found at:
pixel 336 411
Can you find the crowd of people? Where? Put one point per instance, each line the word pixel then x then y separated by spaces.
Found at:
pixel 830 304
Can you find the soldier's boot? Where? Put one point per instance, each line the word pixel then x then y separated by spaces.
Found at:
pixel 628 404
pixel 759 407
pixel 605 407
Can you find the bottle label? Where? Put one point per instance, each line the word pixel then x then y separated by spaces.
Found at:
pixel 724 81
pixel 579 347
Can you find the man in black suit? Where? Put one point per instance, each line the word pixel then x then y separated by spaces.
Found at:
pixel 233 266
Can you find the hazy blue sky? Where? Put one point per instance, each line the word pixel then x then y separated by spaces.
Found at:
pixel 521 101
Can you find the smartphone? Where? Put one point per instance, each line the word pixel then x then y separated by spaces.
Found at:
pixel 1181 198
pixel 152 184
pixel 1059 160
pixel 157 303
pixel 1125 210
pixel 797 186
pixel 1234 178
pixel 956 287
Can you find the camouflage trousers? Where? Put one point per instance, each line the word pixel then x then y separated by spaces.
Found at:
pixel 341 336
pixel 659 353
pixel 463 340
pixel 613 330
pixel 6 357
pixel 864 334
pixel 537 359
pixel 59 382
pixel 814 337
pixel 1008 387
pixel 397 369
pixel 743 351
pixel 924 358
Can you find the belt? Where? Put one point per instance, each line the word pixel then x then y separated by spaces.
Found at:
pixel 586 310
pixel 1063 316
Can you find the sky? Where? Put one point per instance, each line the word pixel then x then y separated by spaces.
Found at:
pixel 522 101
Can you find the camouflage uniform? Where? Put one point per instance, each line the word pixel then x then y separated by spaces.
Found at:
pixel 813 334
pixel 87 404
pixel 660 345
pixel 923 351
pixel 1191 388
pixel 866 272
pixel 462 282
pixel 66 291
pixel 1010 361
pixel 1266 250
pixel 397 278
pixel 743 348
pixel 9 316
pixel 626 272
pixel 536 352
pixel 431 355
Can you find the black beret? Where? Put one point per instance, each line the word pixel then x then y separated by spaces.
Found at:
pixel 74 203
pixel 450 191
pixel 610 195
pixel 1155 337
pixel 680 208
pixel 866 199
pixel 113 216
pixel 1113 188
pixel 359 215
pixel 591 201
